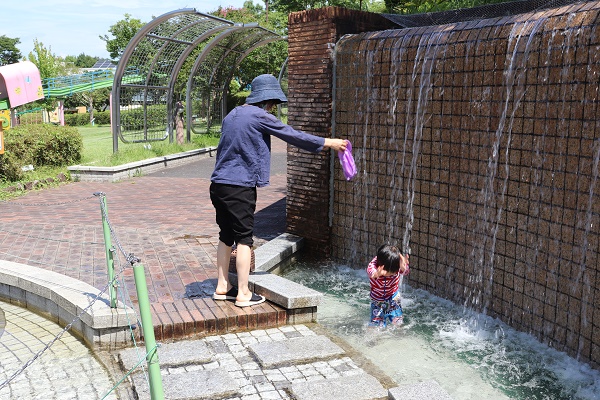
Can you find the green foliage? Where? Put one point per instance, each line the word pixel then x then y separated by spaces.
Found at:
pixel 50 66
pixel 98 147
pixel 98 98
pixel 38 145
pixel 77 119
pixel 425 6
pixel 287 6
pixel 82 60
pixel 265 59
pixel 102 117
pixel 48 63
pixel 237 98
pixel 82 119
pixel 10 168
pixel 85 61
pixel 134 119
pixel 122 32
pixel 9 53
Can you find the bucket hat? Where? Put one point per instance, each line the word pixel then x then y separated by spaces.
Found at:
pixel 265 87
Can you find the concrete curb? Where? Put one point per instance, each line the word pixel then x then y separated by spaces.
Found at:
pixel 63 299
pixel 86 173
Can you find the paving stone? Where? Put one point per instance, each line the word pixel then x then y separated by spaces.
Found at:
pixel 355 387
pixel 429 390
pixel 185 352
pixel 194 385
pixel 294 351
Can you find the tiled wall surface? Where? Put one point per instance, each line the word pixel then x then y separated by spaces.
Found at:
pixel 477 146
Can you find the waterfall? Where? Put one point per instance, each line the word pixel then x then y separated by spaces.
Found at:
pixel 493 201
pixel 426 58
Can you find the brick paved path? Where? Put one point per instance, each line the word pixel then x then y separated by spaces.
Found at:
pixel 167 221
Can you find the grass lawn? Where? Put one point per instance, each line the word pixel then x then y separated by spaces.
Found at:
pixel 98 147
pixel 98 151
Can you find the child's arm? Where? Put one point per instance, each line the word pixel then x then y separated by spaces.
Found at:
pixel 404 269
pixel 372 268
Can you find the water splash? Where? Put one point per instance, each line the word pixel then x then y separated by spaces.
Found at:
pixel 497 361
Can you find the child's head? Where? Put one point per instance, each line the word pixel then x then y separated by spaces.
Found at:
pixel 389 257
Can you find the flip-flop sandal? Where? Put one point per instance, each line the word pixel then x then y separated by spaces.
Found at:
pixel 230 295
pixel 254 300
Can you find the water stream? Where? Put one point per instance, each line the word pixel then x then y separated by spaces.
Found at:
pixel 487 360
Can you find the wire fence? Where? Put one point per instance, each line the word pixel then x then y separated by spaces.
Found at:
pixel 125 259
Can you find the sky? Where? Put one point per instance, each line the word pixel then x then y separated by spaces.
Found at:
pixel 72 27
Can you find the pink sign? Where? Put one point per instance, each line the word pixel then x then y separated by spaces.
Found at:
pixel 20 83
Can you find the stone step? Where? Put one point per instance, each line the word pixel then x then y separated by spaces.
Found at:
pixel 186 352
pixel 429 390
pixel 295 351
pixel 192 385
pixel 353 387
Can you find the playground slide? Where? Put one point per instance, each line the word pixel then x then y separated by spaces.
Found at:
pixel 64 86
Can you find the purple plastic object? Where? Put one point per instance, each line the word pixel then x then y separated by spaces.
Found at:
pixel 347 162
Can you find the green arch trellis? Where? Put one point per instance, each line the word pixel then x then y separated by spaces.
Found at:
pixel 180 52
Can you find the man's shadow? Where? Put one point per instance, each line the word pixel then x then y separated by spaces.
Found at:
pixel 270 222
pixel 201 289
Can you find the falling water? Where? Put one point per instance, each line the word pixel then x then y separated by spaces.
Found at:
pixel 580 279
pixel 493 203
pixel 398 145
pixel 366 183
pixel 512 230
pixel 426 58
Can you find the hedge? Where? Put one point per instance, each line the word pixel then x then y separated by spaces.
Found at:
pixel 39 145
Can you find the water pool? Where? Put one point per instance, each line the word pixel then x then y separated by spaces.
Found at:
pixel 470 355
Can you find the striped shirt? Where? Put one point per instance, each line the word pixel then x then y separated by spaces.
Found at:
pixel 384 287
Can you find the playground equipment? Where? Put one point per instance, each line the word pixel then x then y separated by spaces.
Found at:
pixel 20 83
pixel 64 86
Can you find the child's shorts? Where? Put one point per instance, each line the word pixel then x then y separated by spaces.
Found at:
pixel 385 312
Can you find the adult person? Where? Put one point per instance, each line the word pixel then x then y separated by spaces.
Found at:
pixel 242 164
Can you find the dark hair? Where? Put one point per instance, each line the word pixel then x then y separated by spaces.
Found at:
pixel 389 257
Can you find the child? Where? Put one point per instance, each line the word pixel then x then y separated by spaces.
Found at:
pixel 384 272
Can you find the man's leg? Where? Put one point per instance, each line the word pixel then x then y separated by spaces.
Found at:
pixel 242 265
pixel 223 257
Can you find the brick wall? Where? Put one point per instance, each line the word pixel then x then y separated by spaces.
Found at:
pixel 477 146
pixel 312 37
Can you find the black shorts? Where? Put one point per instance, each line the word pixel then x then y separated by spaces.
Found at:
pixel 235 206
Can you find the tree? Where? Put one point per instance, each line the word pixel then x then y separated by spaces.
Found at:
pixel 266 59
pixel 48 63
pixel 9 53
pixel 288 6
pixel 122 32
pixel 425 6
pixel 50 66
pixel 85 61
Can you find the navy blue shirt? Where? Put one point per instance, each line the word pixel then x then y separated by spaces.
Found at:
pixel 244 151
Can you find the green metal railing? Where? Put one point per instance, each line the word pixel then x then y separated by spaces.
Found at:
pixel 155 379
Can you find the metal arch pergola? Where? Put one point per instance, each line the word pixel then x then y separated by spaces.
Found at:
pixel 183 52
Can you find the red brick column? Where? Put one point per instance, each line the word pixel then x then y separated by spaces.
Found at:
pixel 312 36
